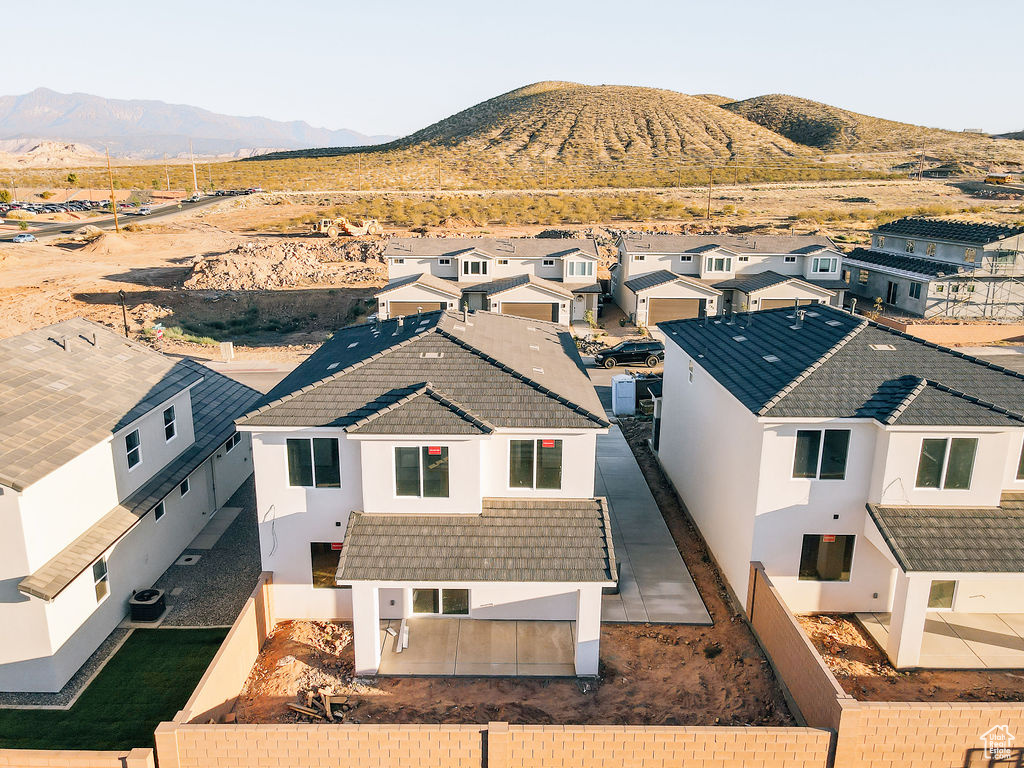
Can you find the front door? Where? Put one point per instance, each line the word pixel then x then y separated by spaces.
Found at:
pixel 891 292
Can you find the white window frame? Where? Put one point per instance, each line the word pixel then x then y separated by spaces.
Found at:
pixel 581 269
pixel 686 258
pixel 548 262
pixel 639 256
pixel 312 466
pixel 444 262
pixel 159 510
pixel 440 603
pixel 136 450
pixel 831 261
pixel 184 487
pixel 709 265
pixel 789 259
pixel 508 463
pixel 502 262
pixel 945 464
pixel 104 579
pixel 232 441
pixel 690 366
pixel 171 425
pixel 466 267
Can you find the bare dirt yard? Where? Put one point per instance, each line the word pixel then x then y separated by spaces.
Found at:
pixel 865 673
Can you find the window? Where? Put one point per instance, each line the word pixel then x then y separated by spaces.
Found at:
pixel 314 462
pixel 503 262
pixel 824 459
pixel 100 579
pixel 862 276
pixel 789 259
pixel 915 290
pixel 892 292
pixel 133 447
pixel 184 488
pixel 447 602
pixel 398 261
pixel 826 558
pixel 535 464
pixel 170 429
pixel 719 264
pixel 638 256
pixel 691 381
pixel 1020 465
pixel 444 262
pixel 909 247
pixel 474 268
pixel 581 269
pixel 744 258
pixel 880 241
pixel 970 254
pixel 549 262
pixel 158 511
pixel 940 288
pixel 946 463
pixel 690 258
pixel 323 561
pixel 232 441
pixel 824 264
pixel 940 594
pixel 930 249
pixel 422 471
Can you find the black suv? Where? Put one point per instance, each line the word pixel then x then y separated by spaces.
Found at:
pixel 648 352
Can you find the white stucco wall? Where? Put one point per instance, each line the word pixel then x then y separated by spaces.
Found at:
pixel 156 451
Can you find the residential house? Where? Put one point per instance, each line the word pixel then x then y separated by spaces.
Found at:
pixel 112 458
pixel 940 268
pixel 868 470
pixel 534 277
pixel 668 277
pixel 435 465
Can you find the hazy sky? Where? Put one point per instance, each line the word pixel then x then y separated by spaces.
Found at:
pixel 393 67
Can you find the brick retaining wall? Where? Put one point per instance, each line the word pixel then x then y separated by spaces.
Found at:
pixel 72 758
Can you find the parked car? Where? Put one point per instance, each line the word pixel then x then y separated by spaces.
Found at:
pixel 24 237
pixel 650 353
pixel 144 211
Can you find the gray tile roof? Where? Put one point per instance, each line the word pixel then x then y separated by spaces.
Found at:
pixel 748 282
pixel 662 276
pixel 765 244
pixel 840 366
pixel 955 539
pixel 425 411
pixel 498 247
pixel 502 371
pixel 503 284
pixel 216 402
pixel 947 229
pixel 513 540
pixel 927 268
pixel 67 387
pixel 422 278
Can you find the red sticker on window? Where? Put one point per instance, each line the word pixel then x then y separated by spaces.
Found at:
pixel 547 443
pixel 828 539
pixel 336 547
pixel 434 450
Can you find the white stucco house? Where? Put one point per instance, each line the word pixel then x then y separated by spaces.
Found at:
pixel 669 277
pixel 554 280
pixel 868 470
pixel 112 457
pixel 431 466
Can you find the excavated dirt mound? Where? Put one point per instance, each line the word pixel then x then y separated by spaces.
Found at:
pixel 109 244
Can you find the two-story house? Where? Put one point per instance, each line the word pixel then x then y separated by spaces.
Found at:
pixel 941 268
pixel 112 457
pixel 868 470
pixel 670 277
pixel 540 278
pixel 435 466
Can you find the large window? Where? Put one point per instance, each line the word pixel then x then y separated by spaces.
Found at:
pixel 133 449
pixel 474 267
pixel 535 464
pixel 946 462
pixel 719 264
pixel 422 471
pixel 323 557
pixel 826 557
pixel 821 454
pixel 314 462
pixel 581 269
pixel 824 264
pixel 915 290
pixel 170 428
pixel 447 602
pixel 100 579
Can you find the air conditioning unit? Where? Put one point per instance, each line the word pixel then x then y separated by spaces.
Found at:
pixel 147 605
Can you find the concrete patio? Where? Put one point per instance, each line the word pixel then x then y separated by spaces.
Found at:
pixel 479 648
pixel 961 640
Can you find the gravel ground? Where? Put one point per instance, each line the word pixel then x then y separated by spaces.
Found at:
pixel 215 589
pixel 67 695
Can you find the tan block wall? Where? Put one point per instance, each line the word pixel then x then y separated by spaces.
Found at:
pixel 968 334
pixel 55 758
pixel 219 687
pixel 810 683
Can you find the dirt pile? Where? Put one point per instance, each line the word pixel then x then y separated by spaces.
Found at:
pixel 258 266
pixel 109 244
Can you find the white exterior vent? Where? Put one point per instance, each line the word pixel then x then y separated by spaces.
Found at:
pixel 770 358
pixel 833 323
pixel 332 366
pixel 353 344
pixel 739 338
pixel 535 348
pixel 458 327
pixel 58 385
pixel 883 347
pixel 538 370
pixel 431 355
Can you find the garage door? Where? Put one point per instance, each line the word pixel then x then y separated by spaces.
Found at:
pixel 532 310
pixel 663 310
pixel 776 303
pixel 399 308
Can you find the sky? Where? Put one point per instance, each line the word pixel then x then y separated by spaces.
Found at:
pixel 394 67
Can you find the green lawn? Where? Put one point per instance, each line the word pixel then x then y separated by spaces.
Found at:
pixel 147 681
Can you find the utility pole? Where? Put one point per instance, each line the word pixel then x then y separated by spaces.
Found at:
pixel 113 199
pixel 209 170
pixel 192 157
pixel 711 181
pixel 167 173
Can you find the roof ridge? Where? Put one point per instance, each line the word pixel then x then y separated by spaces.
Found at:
pixel 774 400
pixel 973 399
pixel 428 389
pixel 907 399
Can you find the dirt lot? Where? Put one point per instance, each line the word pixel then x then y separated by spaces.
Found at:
pixel 650 674
pixel 865 673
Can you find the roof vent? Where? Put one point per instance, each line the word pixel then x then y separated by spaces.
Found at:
pixel 32 348
pixel 353 344
pixel 332 366
pixel 58 385
pixel 813 314
pixel 535 348
pixel 530 328
pixel 739 338
pixel 458 327
pixel 431 355
pixel 770 358
pixel 882 347
pixel 538 370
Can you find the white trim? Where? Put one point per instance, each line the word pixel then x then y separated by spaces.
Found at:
pixel 945 464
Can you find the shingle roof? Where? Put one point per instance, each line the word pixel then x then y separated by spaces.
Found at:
pixel 662 276
pixel 953 230
pixel 955 539
pixel 840 366
pixel 498 247
pixel 422 278
pixel 513 540
pixel 656 243
pixel 66 387
pixel 216 402
pixel 749 282
pixel 503 284
pixel 924 267
pixel 501 370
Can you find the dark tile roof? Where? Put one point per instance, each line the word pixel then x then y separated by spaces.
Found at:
pixel 500 370
pixel 955 539
pixel 840 366
pixel 503 284
pixel 422 278
pixel 497 247
pixel 918 266
pixel 662 276
pixel 667 243
pixel 945 229
pixel 513 540
pixel 424 411
pixel 216 402
pixel 830 285
pixel 749 282
pixel 67 387
pixel 583 287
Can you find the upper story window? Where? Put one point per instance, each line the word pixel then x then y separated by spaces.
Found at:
pixel 535 464
pixel 915 290
pixel 946 463
pixel 690 373
pixel 880 241
pixel 444 262
pixel 824 264
pixel 719 264
pixel 133 448
pixel 398 261
pixel 232 441
pixel 930 249
pixel 184 487
pixel 690 258
pixel 581 269
pixel 909 247
pixel 474 267
pixel 549 262
pixel 744 258
pixel 100 579
pixel 314 462
pixel 159 510
pixel 503 262
pixel 639 256
pixel 422 471
pixel 170 427
pixel 821 454
pixel 970 254
pixel 789 259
